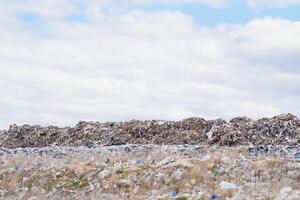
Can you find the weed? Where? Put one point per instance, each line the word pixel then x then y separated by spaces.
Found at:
pixel 181 198
pixel 76 183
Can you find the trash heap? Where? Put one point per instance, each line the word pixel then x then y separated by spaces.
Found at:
pixel 279 130
pixel 154 172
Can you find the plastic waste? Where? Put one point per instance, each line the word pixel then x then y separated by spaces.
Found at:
pixel 17 167
pixel 215 196
pixel 278 130
pixel 227 186
pixel 139 162
pixel 174 194
pixel 216 169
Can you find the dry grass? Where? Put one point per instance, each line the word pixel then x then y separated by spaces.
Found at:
pixel 72 176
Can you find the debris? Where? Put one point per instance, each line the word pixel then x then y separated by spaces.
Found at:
pixel 127 159
pixel 279 130
pixel 163 171
pixel 215 196
pixel 216 169
pixel 138 162
pixel 287 193
pixel 165 162
pixel 17 167
pixel 227 186
pixel 174 194
pixel 178 174
pixel 202 157
pixel 104 174
pixel 210 133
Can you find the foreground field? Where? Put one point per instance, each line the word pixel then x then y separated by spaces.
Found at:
pixel 149 172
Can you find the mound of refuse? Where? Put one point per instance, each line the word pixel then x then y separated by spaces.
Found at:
pixel 148 172
pixel 279 130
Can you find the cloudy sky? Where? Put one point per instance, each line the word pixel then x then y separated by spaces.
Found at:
pixel 62 61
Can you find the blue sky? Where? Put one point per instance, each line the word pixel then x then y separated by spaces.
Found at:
pixel 234 12
pixel 64 61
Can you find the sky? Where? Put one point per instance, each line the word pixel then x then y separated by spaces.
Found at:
pixel 63 61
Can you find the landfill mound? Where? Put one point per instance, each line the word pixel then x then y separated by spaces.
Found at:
pixel 279 130
pixel 154 172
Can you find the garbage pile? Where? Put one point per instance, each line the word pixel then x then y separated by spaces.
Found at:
pixel 279 130
pixel 140 172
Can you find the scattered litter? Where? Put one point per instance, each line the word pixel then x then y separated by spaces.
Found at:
pixel 174 194
pixel 139 162
pixel 178 174
pixel 217 169
pixel 171 172
pixel 215 196
pixel 202 157
pixel 17 167
pixel 287 193
pixel 165 162
pixel 125 159
pixel 227 186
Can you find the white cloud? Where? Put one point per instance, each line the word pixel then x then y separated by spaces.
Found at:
pixel 209 2
pixel 45 8
pixel 145 65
